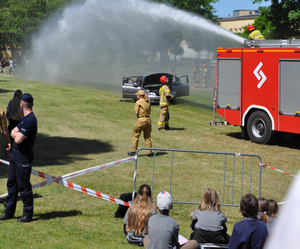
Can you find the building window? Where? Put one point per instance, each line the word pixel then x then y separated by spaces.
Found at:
pixel 230 29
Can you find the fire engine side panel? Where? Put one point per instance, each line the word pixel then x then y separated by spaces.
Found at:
pixel 231 116
pixel 289 87
pixel 289 100
pixel 260 82
pixel 229 85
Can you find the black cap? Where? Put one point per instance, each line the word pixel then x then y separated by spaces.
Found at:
pixel 27 98
pixel 142 188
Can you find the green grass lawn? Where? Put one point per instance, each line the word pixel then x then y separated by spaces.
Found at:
pixel 82 127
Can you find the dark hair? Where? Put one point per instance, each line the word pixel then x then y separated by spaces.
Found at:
pixel 249 205
pixel 273 208
pixel 147 190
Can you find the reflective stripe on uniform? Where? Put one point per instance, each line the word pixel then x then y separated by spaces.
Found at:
pixel 256 35
pixel 164 103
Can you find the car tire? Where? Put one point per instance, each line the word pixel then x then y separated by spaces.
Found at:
pixel 259 128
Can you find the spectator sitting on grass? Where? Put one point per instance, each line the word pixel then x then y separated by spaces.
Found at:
pixel 137 216
pixel 209 221
pixel 250 233
pixel 163 231
pixel 263 209
pixel 273 208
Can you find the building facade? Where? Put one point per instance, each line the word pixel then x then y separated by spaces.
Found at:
pixel 239 19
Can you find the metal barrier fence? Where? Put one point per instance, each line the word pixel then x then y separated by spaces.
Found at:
pixel 232 174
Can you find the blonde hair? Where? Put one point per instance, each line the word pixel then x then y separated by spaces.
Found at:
pixel 210 201
pixel 139 213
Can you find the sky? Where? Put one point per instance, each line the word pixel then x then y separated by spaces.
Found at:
pixel 226 7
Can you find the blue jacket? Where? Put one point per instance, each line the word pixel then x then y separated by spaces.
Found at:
pixel 251 233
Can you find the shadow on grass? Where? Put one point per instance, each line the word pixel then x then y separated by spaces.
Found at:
pixel 156 154
pixel 291 141
pixel 63 150
pixel 56 214
pixel 177 129
pixel 4 90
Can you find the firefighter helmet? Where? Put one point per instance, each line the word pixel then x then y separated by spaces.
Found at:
pixel 250 28
pixel 163 79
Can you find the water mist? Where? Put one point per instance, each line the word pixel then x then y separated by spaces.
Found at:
pixel 97 42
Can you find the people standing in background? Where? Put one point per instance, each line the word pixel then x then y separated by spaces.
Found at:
pixel 27 65
pixel 11 64
pixel 197 73
pixel 3 66
pixel 14 112
pixel 204 75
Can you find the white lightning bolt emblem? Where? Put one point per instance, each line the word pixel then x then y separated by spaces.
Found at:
pixel 259 75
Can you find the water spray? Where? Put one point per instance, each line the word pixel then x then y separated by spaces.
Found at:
pixel 92 41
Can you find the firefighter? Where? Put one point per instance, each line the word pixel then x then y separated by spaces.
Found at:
pixel 142 110
pixel 197 73
pixel 165 98
pixel 254 33
pixel 204 75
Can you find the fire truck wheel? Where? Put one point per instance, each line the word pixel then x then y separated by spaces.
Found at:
pixel 259 127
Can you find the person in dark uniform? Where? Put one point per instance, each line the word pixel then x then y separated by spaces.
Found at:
pixel 18 181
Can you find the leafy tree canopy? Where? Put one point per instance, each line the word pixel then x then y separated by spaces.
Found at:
pixel 279 21
pixel 203 8
pixel 20 19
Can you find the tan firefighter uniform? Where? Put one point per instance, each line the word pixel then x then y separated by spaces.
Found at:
pixel 165 97
pixel 143 110
pixel 256 35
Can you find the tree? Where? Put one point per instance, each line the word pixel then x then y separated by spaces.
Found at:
pixel 21 18
pixel 281 19
pixel 203 8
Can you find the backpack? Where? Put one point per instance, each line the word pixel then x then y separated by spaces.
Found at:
pixel 121 211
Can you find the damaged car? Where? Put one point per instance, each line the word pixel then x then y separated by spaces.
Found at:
pixel 179 86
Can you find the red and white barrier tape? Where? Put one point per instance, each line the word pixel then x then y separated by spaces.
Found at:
pixel 265 165
pixel 82 172
pixel 82 189
pixel 62 181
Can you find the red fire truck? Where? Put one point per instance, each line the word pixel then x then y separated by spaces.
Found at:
pixel 258 88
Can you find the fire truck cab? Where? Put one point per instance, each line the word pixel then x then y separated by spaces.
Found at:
pixel 258 88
